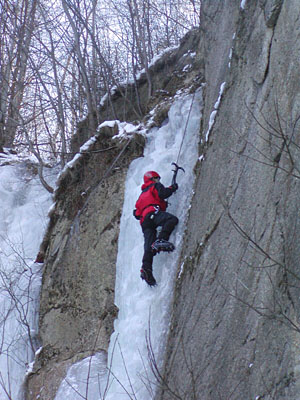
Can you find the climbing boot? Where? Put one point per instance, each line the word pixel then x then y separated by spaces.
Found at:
pixel 162 245
pixel 146 275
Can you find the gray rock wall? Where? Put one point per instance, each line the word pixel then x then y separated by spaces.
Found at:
pixel 235 320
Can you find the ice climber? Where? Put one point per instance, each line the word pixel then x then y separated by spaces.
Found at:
pixel 150 210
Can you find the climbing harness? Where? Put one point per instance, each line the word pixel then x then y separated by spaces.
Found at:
pixel 177 167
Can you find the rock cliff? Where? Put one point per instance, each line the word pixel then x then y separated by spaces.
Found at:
pixel 235 318
pixel 234 332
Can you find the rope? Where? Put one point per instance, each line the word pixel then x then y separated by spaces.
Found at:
pixel 114 162
pixel 184 133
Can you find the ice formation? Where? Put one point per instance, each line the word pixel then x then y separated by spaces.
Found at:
pixel 24 204
pixel 144 312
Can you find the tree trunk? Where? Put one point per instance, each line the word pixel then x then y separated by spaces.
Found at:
pixel 19 73
pixel 83 70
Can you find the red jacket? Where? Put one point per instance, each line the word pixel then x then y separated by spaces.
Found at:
pixel 152 199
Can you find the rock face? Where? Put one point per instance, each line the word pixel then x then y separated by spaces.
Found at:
pixel 235 319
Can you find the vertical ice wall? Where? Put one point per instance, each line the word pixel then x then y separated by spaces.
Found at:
pixel 23 208
pixel 143 311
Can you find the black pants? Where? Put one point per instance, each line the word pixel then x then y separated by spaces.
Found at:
pixel 164 219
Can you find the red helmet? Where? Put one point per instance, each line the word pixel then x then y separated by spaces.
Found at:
pixel 150 175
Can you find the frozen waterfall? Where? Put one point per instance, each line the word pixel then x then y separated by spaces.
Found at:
pixel 24 205
pixel 143 311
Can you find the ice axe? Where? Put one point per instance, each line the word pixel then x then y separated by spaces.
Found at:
pixel 175 172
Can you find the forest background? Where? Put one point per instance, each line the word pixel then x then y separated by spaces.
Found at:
pixel 59 58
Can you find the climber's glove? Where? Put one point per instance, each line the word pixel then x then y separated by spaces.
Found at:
pixel 174 187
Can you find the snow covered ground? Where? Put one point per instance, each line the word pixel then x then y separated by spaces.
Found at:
pixel 23 209
pixel 144 311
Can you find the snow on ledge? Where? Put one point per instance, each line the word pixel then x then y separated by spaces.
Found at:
pixel 152 63
pixel 125 130
pixel 243 4
pixel 214 112
pixel 10 157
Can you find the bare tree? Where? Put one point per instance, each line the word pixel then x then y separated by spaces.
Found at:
pixel 17 29
pixel 82 64
pixel 18 331
pixel 57 60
